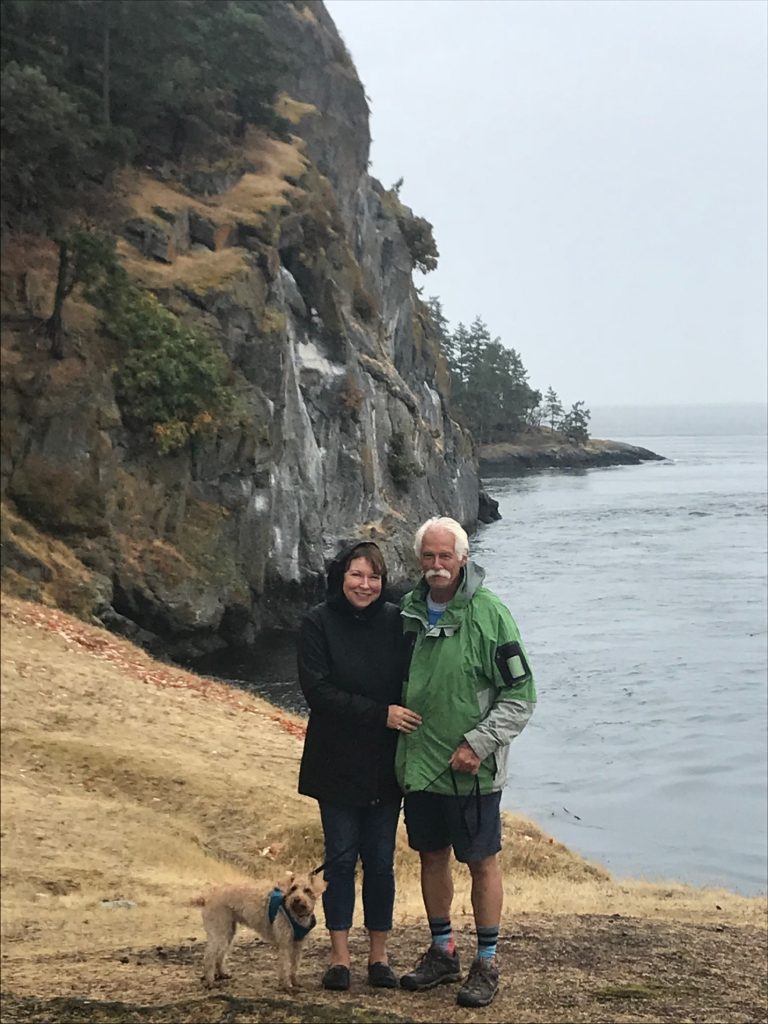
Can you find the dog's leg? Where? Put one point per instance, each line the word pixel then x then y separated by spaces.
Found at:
pixel 282 940
pixel 209 962
pixel 283 969
pixel 220 928
pixel 221 971
pixel 297 948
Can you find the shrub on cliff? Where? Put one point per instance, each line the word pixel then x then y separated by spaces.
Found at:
pixel 400 462
pixel 172 379
pixel 87 258
pixel 417 233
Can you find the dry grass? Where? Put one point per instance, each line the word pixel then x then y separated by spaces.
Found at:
pixel 254 194
pixel 248 202
pixel 68 582
pixel 30 263
pixel 306 13
pixel 118 782
pixel 197 272
pixel 293 110
pixel 124 778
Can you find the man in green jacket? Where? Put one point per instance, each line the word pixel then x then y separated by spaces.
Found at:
pixel 470 681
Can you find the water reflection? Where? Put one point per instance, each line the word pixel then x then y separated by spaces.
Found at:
pixel 267 668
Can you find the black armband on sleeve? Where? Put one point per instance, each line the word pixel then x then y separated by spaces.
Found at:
pixel 512 664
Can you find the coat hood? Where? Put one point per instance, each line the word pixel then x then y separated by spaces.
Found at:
pixel 470 581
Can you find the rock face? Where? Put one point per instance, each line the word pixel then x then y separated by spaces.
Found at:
pixel 489 509
pixel 297 267
pixel 542 451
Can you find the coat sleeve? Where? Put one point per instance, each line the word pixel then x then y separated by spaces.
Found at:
pixel 316 680
pixel 515 689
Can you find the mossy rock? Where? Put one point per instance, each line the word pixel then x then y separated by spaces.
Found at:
pixel 59 497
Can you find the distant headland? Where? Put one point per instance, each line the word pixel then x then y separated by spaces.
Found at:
pixel 546 449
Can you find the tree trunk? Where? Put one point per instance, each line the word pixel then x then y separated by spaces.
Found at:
pixel 55 326
pixel 106 68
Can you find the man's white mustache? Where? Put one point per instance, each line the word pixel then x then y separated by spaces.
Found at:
pixel 442 573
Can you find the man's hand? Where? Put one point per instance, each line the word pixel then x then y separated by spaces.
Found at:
pixel 464 759
pixel 402 719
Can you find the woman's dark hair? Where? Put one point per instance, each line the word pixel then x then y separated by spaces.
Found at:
pixel 372 554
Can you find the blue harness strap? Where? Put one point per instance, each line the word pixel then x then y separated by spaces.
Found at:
pixel 275 900
pixel 276 904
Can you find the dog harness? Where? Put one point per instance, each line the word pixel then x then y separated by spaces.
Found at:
pixel 276 904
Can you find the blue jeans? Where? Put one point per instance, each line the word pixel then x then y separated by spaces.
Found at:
pixel 367 832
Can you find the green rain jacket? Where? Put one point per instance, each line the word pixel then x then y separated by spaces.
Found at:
pixel 469 679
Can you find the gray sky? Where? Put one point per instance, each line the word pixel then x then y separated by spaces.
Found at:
pixel 596 176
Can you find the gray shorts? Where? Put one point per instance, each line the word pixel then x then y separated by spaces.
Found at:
pixel 435 821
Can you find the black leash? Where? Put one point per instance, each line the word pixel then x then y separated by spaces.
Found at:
pixel 474 792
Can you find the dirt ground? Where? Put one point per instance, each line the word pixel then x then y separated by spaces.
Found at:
pixel 554 968
pixel 124 779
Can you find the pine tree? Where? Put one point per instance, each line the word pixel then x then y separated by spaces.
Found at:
pixel 84 258
pixel 552 409
pixel 575 423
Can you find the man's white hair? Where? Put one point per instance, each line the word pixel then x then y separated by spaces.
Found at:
pixel 445 523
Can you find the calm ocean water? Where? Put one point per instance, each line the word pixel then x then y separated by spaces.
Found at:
pixel 641 595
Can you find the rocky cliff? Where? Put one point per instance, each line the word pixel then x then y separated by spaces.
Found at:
pixel 296 262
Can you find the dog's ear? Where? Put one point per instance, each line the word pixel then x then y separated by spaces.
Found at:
pixel 286 881
pixel 319 884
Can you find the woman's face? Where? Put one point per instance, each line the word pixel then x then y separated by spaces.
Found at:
pixel 362 584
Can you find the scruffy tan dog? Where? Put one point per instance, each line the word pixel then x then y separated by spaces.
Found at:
pixel 284 915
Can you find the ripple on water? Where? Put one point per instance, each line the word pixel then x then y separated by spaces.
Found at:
pixel 642 600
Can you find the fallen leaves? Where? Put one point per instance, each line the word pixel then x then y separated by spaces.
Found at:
pixel 135 662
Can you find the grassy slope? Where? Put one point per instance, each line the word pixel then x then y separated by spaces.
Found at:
pixel 126 778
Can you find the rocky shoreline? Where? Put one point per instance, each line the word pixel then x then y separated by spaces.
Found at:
pixel 536 452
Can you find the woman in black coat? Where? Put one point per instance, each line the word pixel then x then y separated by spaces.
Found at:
pixel 351 661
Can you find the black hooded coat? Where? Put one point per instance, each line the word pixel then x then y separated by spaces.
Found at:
pixel 351 666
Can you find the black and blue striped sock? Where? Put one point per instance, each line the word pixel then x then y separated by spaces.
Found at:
pixel 487 937
pixel 442 933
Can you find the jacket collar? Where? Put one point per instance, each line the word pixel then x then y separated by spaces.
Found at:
pixel 415 603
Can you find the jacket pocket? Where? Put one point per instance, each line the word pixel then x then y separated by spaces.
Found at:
pixel 485 699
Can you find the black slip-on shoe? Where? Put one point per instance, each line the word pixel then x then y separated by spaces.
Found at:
pixel 481 985
pixel 436 967
pixel 381 975
pixel 336 978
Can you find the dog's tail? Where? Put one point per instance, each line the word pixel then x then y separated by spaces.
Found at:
pixel 198 901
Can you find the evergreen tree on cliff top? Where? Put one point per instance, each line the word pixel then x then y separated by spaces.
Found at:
pixel 489 384
pixel 490 389
pixel 90 84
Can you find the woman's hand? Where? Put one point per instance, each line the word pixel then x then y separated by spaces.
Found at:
pixel 402 719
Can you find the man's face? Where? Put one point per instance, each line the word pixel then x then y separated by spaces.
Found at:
pixel 440 563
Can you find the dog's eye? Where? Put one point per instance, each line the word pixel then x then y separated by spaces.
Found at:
pixel 308 892
pixel 293 888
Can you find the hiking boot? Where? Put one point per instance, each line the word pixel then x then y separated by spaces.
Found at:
pixel 481 985
pixel 436 967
